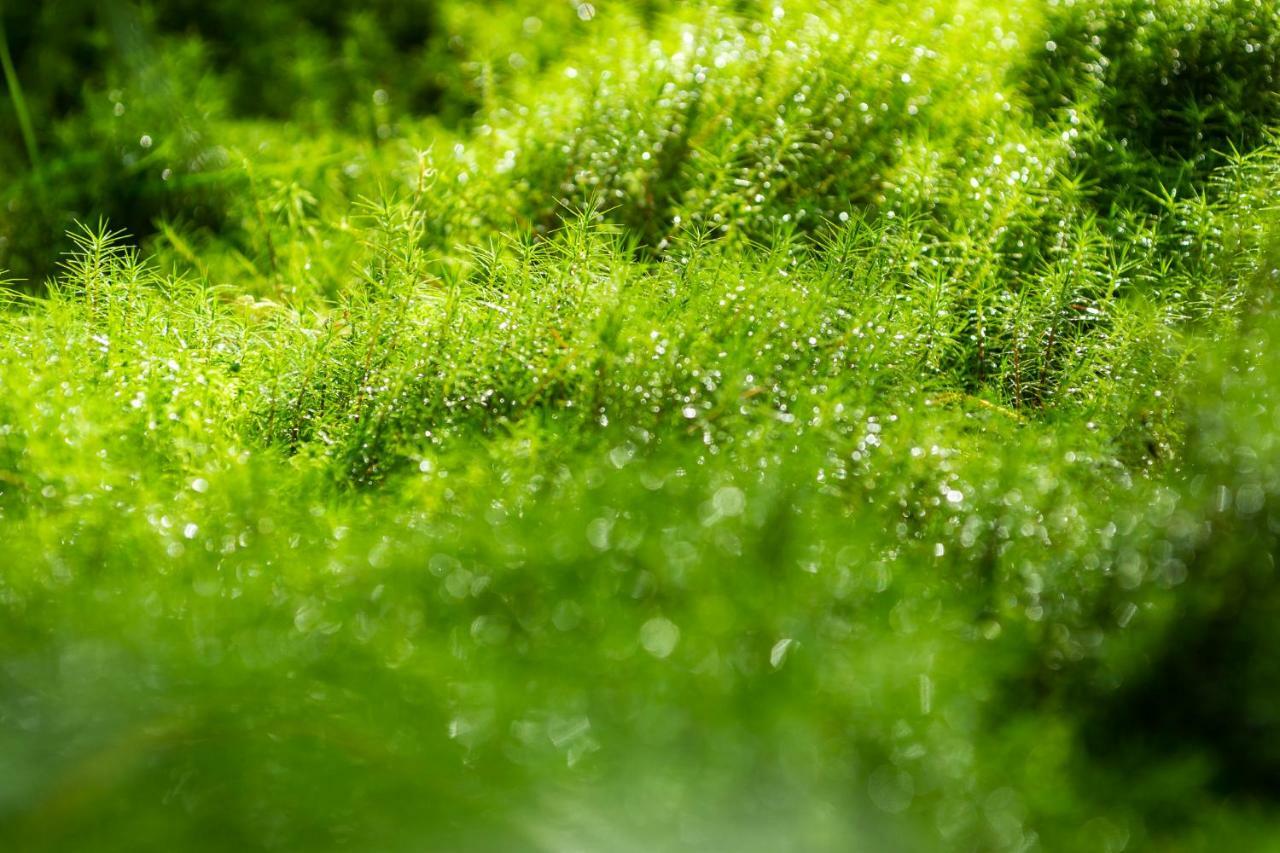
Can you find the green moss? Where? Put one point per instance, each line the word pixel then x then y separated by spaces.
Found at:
pixel 643 426
pixel 1173 86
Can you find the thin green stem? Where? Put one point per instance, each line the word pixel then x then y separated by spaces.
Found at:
pixel 16 98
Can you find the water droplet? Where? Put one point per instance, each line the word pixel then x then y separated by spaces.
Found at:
pixel 778 654
pixel 598 533
pixel 729 501
pixel 659 637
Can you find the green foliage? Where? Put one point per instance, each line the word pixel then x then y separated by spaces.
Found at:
pixel 642 426
pixel 1173 86
pixel 132 102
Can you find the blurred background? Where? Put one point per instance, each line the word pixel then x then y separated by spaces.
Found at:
pixel 138 111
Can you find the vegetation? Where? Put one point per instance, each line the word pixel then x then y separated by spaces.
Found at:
pixel 558 426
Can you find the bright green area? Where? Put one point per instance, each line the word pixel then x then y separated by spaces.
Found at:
pixel 640 426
